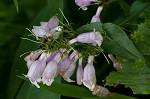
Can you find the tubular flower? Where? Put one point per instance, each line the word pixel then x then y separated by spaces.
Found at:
pixel 47 28
pixel 65 63
pixel 79 75
pixel 51 69
pixel 94 38
pixel 70 70
pixel 96 18
pixel 89 78
pixel 36 70
pixel 32 57
pixel 84 3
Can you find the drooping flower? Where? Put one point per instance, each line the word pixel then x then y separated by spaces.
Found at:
pixel 67 65
pixel 84 3
pixel 36 70
pixel 47 28
pixel 96 17
pixel 117 65
pixel 70 70
pixel 79 75
pixel 32 57
pixel 51 69
pixel 94 38
pixel 89 77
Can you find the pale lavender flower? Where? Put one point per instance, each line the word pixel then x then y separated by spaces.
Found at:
pixel 32 57
pixel 89 77
pixel 36 70
pixel 94 38
pixel 47 28
pixel 65 62
pixel 96 17
pixel 67 66
pixel 79 75
pixel 84 3
pixel 51 70
pixel 70 70
pixel 100 91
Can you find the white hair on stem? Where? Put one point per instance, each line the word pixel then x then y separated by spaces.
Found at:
pixel 64 16
pixel 30 40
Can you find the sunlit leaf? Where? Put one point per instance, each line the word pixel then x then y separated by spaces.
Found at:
pixel 16 5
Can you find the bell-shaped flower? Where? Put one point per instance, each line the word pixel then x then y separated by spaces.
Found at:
pixel 96 17
pixel 79 75
pixel 51 69
pixel 89 77
pixel 94 38
pixel 36 70
pixel 65 62
pixel 117 65
pixel 84 3
pixel 100 91
pixel 32 57
pixel 45 29
pixel 70 70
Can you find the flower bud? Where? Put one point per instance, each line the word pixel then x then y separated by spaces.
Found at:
pixel 94 38
pixel 96 18
pixel 116 64
pixel 79 76
pixel 89 77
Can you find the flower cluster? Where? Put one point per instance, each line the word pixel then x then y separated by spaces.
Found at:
pixel 58 54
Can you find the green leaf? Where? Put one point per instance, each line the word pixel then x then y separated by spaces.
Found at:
pixel 136 8
pixel 131 76
pixel 118 43
pixel 115 40
pixel 28 91
pixel 16 5
pixel 75 91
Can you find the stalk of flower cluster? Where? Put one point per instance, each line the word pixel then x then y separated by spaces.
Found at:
pixel 89 77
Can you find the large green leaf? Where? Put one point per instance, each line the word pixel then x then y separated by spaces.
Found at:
pixel 75 91
pixel 115 40
pixel 16 86
pixel 138 79
pixel 118 43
